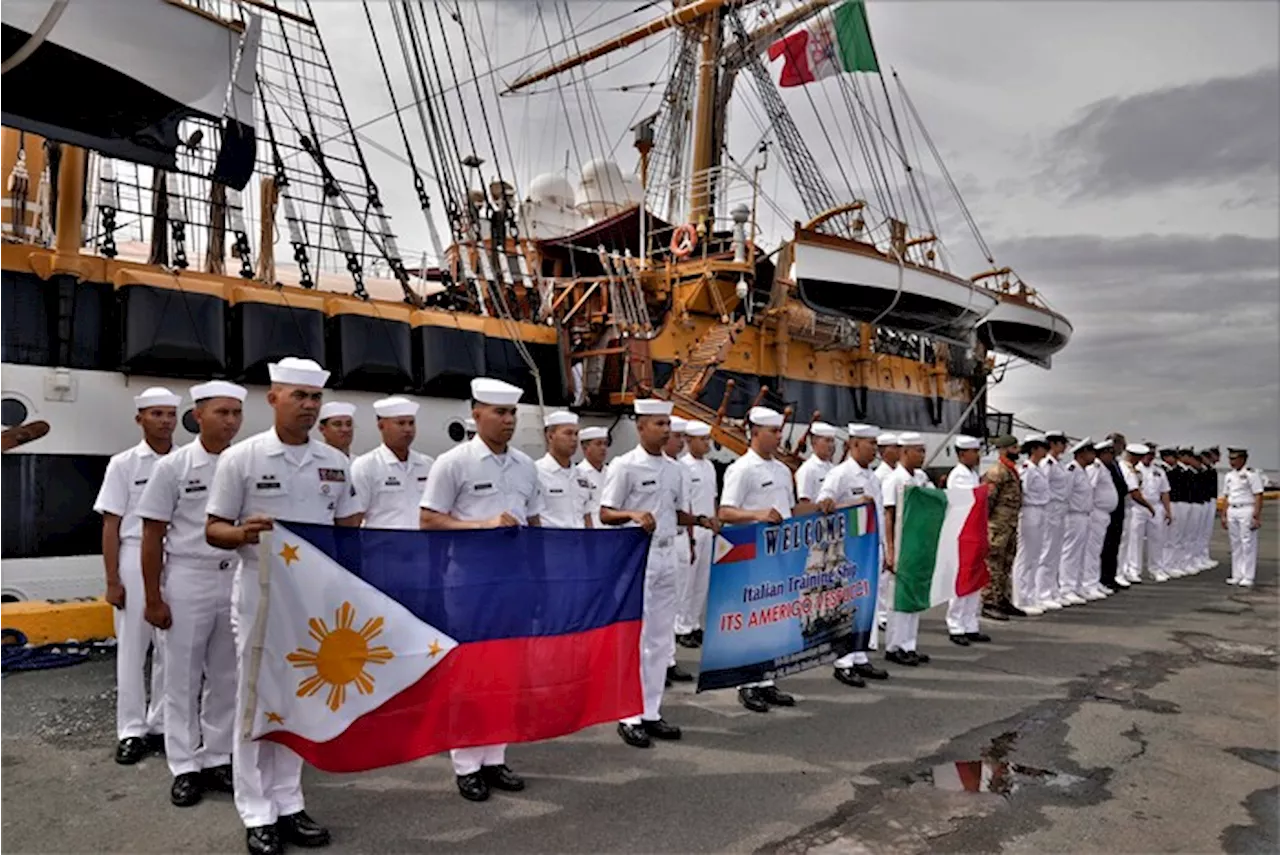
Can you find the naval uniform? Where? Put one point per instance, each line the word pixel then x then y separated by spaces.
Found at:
pixel 884 594
pixel 566 494
pixel 122 487
pixel 1072 576
pixel 1035 499
pixel 640 481
pixel 844 485
pixel 963 612
pixel 1241 487
pixel 1154 485
pixel 1135 525
pixel 306 483
pixel 1208 507
pixel 196 583
pixel 594 479
pixel 903 629
pixel 701 482
pixel 1173 563
pixel 471 482
pixel 1106 498
pixel 390 489
pixel 1048 585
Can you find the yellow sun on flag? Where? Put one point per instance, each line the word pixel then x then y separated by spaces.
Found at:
pixel 340 656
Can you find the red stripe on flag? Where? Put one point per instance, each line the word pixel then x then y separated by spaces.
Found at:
pixel 973 574
pixel 489 692
pixel 795 67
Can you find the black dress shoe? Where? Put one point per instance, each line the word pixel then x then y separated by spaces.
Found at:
pixel 697 635
pixel 263 840
pixel 218 779
pixel 661 729
pixel 688 640
pixel 301 830
pixel 473 787
pixel 130 750
pixel 676 674
pixel 634 735
pixel 957 638
pixel 901 657
pixel 1011 610
pixel 154 742
pixel 502 778
pixel 849 677
pixel 751 698
pixel 186 790
pixel 867 671
pixel 993 613
pixel 980 637
pixel 774 698
pixel 921 658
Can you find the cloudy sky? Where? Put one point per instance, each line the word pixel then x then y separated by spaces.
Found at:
pixel 1123 156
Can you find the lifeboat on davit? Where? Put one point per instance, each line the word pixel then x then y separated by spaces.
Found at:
pixel 1021 325
pixel 835 275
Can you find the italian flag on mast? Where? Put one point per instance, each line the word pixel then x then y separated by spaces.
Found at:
pixel 834 44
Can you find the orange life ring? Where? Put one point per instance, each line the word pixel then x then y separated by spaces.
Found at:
pixel 683 240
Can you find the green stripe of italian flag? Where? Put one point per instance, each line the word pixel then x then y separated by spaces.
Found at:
pixel 942 546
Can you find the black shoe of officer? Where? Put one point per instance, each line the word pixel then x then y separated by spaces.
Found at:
pixel 849 677
pixel 994 613
pixel 502 778
pixel 154 742
pixel 900 657
pixel 867 671
pixel 473 787
pixel 980 637
pixel 661 729
pixel 697 635
pixel 676 674
pixel 751 698
pixel 634 735
pixel 687 640
pixel 301 830
pixel 774 698
pixel 920 658
pixel 130 750
pixel 218 779
pixel 186 790
pixel 263 840
pixel 959 638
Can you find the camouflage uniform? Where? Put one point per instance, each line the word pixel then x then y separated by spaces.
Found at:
pixel 1004 503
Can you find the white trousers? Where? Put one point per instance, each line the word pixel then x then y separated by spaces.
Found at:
pixel 884 598
pixel 1075 545
pixel 199 647
pixel 1098 523
pixel 1135 530
pixel 963 613
pixel 134 637
pixel 657 631
pixel 1209 513
pixel 268 776
pixel 902 631
pixel 1026 561
pixel 1173 548
pixel 1244 543
pixel 684 566
pixel 1047 583
pixel 1155 534
pixel 693 588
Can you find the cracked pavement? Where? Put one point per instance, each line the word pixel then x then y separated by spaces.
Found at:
pixel 1143 723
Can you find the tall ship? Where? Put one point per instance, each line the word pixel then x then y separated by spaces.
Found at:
pixel 187 196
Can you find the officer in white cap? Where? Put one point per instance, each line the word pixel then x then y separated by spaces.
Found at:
pixel 645 488
pixel 964 613
pixel 389 480
pixel 903 630
pixel 810 475
pixel 701 483
pixel 338 424
pixel 890 451
pixel 1155 489
pixel 139 728
pixel 1242 516
pixel 1072 587
pixel 188 599
pixel 1048 594
pixel 566 495
pixel 852 483
pixel 595 448
pixel 282 473
pixel 1137 511
pixel 484 483
pixel 1035 500
pixel 1106 498
pixel 759 488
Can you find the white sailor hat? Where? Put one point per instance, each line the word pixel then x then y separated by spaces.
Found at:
pixel 217 389
pixel 887 439
pixel 156 396
pixel 966 443
pixel 486 390
pixel 697 428
pixel 652 407
pixel 295 371
pixel 395 407
pixel 1033 438
pixel 857 431
pixel 1051 435
pixel 588 433
pixel 560 417
pixel 1083 445
pixel 678 424
pixel 337 409
pixel 1105 445
pixel 910 438
pixel 764 417
pixel 469 425
pixel 822 429
pixel 1137 448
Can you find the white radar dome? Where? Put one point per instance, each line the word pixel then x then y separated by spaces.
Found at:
pixel 551 188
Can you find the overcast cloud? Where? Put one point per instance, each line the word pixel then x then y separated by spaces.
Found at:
pixel 1123 156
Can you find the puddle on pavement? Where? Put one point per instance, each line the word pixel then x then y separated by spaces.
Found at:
pixel 993 773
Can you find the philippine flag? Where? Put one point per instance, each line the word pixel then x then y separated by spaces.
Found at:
pixel 371 647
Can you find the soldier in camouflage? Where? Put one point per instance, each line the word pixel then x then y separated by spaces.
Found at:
pixel 1004 504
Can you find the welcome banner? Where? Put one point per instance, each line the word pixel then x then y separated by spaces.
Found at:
pixel 790 596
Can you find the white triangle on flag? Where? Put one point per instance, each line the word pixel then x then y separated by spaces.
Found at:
pixel 723 547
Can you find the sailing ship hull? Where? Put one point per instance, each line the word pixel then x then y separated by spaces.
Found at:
pixel 1026 331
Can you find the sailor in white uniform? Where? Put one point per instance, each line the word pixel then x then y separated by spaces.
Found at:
pixel 595 448
pixel 484 483
pixel 1242 516
pixel 1138 510
pixel 389 480
pixel 1035 498
pixel 903 630
pixel 1048 586
pixel 1072 590
pixel 814 470
pixel 964 613
pixel 645 488
pixel 139 728
pixel 758 488
pixel 338 425
pixel 890 451
pixel 1155 489
pixel 1105 500
pixel 673 448
pixel 701 482
pixel 282 473
pixel 566 494
pixel 853 483
pixel 188 586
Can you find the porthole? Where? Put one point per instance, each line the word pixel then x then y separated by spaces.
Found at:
pixel 12 412
pixel 457 431
pixel 189 422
